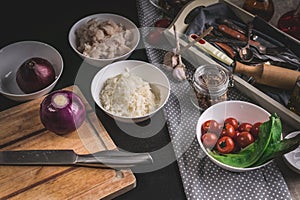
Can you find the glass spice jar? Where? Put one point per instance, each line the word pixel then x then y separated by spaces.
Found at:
pixel 294 101
pixel 210 84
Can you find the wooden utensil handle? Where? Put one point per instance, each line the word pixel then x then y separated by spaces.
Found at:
pixel 231 32
pixel 230 24
pixel 239 36
pixel 230 52
pixel 270 75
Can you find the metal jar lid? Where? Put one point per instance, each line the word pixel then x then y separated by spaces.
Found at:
pixel 211 79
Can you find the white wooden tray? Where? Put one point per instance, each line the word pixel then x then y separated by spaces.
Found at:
pixel 197 58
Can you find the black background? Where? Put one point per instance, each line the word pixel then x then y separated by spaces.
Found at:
pixel 50 22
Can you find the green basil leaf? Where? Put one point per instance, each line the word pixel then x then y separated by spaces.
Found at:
pixel 251 154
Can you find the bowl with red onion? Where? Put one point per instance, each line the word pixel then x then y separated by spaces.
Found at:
pixel 29 70
pixel 103 38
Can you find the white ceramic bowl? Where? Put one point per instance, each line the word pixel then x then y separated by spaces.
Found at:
pixel 129 25
pixel 11 58
pixel 146 71
pixel 292 159
pixel 243 112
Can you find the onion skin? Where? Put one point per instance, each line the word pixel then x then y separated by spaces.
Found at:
pixel 62 112
pixel 35 74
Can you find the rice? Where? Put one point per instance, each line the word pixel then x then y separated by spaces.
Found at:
pixel 128 95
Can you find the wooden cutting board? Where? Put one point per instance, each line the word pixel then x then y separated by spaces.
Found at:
pixel 21 129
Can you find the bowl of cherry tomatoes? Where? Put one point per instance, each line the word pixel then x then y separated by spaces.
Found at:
pixel 227 128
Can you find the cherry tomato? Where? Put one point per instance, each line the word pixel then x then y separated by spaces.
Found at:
pixel 244 139
pixel 209 140
pixel 225 145
pixel 237 148
pixel 236 133
pixel 210 126
pixel 255 129
pixel 228 130
pixel 245 127
pixel 233 121
pixel 223 132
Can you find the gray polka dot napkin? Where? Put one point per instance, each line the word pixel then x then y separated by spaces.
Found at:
pixel 201 178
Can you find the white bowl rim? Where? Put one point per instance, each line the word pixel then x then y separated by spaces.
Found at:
pixel 287 156
pixel 135 61
pixel 72 30
pixel 49 86
pixel 225 166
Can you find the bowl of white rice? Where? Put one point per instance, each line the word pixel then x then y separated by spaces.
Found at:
pixel 130 90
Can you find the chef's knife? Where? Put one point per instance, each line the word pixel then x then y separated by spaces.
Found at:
pixel 104 159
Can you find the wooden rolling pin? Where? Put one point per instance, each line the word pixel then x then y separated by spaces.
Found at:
pixel 265 74
pixel 270 75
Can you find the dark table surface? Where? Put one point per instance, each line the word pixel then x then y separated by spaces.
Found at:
pixel 49 22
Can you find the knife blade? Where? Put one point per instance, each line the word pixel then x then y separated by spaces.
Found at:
pixel 103 159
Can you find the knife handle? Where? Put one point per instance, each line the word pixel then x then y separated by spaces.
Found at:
pixel 230 52
pixel 237 35
pixel 230 24
pixel 211 50
pixel 231 32
pixel 114 159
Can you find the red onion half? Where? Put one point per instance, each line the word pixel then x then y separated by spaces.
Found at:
pixel 35 74
pixel 62 112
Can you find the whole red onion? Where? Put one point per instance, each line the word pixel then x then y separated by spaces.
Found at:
pixel 35 74
pixel 62 112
